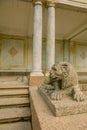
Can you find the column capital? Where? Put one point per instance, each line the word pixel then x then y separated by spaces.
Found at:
pixel 38 1
pixel 51 3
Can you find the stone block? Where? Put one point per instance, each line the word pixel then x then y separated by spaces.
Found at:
pixel 66 106
pixel 36 80
pixel 43 118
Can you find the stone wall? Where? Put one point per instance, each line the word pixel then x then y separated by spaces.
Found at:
pixel 13 47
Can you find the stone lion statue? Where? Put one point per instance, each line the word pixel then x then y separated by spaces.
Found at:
pixel 62 77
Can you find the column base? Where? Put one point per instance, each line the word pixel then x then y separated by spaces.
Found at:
pixel 36 78
pixel 36 73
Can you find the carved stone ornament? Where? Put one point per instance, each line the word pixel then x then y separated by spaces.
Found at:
pixel 62 82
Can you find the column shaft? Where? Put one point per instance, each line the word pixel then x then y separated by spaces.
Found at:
pixel 37 41
pixel 50 46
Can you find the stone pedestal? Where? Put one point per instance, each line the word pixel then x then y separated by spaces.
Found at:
pixel 43 118
pixel 66 106
pixel 36 80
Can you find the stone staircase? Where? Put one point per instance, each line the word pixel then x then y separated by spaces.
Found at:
pixel 14 106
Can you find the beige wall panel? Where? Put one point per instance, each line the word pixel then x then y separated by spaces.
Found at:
pixel 78 55
pixel 13 53
pixel 58 51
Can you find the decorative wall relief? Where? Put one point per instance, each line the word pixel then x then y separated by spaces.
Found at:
pixel 13 54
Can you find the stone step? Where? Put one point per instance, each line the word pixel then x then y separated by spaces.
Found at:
pixel 12 82
pixel 7 92
pixel 14 106
pixel 26 125
pixel 14 114
pixel 14 96
pixel 8 78
pixel 8 102
pixel 14 86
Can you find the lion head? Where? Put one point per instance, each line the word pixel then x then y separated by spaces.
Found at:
pixel 60 70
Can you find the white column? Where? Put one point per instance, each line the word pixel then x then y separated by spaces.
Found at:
pixel 37 40
pixel 50 46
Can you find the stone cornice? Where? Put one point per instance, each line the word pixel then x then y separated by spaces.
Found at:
pixel 51 3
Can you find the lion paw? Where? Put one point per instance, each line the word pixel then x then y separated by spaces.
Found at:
pixel 56 95
pixel 79 96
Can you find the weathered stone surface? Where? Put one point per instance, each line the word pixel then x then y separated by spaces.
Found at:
pixel 44 119
pixel 16 126
pixel 65 107
pixel 61 79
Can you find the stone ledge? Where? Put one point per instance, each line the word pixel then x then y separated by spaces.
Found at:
pixel 67 106
pixel 43 119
